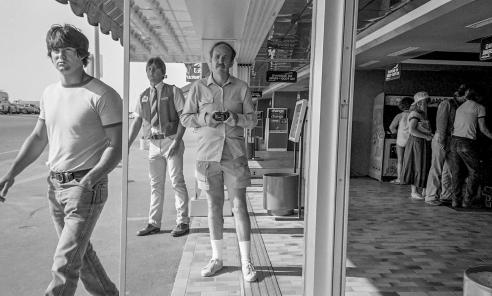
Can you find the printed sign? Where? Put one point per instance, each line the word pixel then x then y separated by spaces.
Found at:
pixel 256 95
pixel 393 73
pixel 277 113
pixel 297 121
pixel 486 49
pixel 281 76
pixel 193 72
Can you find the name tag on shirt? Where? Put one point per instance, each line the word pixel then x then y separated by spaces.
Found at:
pixel 145 99
pixel 164 98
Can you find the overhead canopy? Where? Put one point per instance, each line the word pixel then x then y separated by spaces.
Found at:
pixel 108 14
pixel 183 30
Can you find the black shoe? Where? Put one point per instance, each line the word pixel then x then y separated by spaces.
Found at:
pixel 180 229
pixel 149 229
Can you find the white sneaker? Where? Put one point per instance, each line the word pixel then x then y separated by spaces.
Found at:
pixel 213 266
pixel 249 272
pixel 416 196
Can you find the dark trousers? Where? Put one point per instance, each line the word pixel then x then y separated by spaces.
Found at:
pixel 464 162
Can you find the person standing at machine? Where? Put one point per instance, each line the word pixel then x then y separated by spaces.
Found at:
pixel 463 156
pixel 399 126
pixel 439 182
pixel 416 161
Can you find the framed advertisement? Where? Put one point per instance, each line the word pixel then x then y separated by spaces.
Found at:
pixel 297 120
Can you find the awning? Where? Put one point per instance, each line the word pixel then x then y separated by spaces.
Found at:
pixel 182 31
pixel 108 14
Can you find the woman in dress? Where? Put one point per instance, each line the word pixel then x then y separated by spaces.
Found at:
pixel 417 157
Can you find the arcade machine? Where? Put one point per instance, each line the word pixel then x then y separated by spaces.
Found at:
pixel 383 158
pixel 276 129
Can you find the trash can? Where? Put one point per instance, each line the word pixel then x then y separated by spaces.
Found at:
pixel 477 281
pixel 280 192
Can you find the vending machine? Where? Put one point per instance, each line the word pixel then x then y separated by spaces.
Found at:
pixel 276 129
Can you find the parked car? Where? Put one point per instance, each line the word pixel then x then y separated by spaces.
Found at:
pixel 13 109
pixel 33 108
pixel 4 107
pixel 22 109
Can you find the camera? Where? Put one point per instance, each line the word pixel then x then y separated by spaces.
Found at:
pixel 220 116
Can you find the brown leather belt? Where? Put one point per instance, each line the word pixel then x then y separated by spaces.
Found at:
pixel 64 177
pixel 157 137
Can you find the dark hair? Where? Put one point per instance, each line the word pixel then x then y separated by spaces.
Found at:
pixel 60 36
pixel 405 103
pixel 473 93
pixel 461 90
pixel 158 62
pixel 233 52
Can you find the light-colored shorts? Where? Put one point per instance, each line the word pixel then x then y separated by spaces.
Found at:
pixel 233 173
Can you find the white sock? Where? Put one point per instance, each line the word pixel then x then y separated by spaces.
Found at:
pixel 216 249
pixel 244 249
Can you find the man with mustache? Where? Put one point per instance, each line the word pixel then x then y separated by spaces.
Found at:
pixel 80 119
pixel 220 108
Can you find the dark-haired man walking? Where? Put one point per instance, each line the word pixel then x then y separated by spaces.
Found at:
pixel 158 108
pixel 80 119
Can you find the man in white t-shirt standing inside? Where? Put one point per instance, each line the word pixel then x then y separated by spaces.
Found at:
pixel 80 119
pixel 463 156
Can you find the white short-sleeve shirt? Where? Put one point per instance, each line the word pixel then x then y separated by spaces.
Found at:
pixel 75 118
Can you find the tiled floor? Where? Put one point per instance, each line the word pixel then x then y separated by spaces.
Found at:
pixel 396 247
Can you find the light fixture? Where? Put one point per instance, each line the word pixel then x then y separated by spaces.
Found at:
pixel 480 23
pixel 403 51
pixel 369 63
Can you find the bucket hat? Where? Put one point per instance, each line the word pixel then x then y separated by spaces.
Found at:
pixel 421 95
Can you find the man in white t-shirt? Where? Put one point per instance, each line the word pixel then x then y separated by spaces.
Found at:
pixel 463 156
pixel 80 119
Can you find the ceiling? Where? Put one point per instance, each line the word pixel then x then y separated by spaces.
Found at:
pixel 436 27
pixel 275 34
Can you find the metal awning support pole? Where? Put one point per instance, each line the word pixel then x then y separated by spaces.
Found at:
pixel 125 148
pixel 97 54
pixel 331 85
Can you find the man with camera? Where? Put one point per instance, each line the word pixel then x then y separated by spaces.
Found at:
pixel 220 108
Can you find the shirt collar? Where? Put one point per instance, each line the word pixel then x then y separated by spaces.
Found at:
pixel 158 86
pixel 210 80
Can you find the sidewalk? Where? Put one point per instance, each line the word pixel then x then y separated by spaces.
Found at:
pixel 276 251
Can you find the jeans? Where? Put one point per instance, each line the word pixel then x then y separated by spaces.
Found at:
pixel 158 161
pixel 75 210
pixel 439 183
pixel 464 162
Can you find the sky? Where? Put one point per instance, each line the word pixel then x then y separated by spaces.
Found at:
pixel 25 69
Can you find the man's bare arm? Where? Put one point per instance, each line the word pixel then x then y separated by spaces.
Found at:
pixel 109 159
pixel 31 149
pixel 483 128
pixel 134 129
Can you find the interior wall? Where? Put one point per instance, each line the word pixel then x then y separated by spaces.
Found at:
pixel 367 85
pixel 438 83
